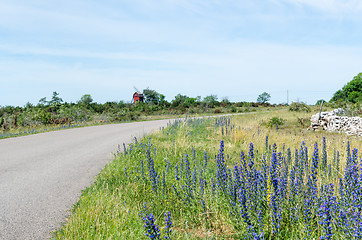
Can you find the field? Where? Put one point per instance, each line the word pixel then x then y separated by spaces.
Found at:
pixel 239 177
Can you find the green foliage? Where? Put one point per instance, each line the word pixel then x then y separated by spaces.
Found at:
pixel 86 100
pixel 263 98
pixel 151 96
pixel 275 122
pixel 2 122
pixel 225 102
pixel 319 102
pixel 210 101
pixel 43 102
pixel 42 116
pixel 351 92
pixel 179 100
pixel 56 100
pixel 189 102
pixel 299 107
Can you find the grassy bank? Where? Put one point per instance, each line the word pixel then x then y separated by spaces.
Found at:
pixel 240 177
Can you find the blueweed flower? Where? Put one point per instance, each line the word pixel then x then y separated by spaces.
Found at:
pixel 181 168
pixel 243 166
pixel 266 143
pixel 202 186
pixel 326 210
pixel 152 229
pixel 324 156
pixel 151 171
pixel 337 161
pixel 302 162
pixel 205 160
pixel 125 172
pixel 163 183
pixel 232 189
pixel 296 158
pixel 265 170
pixel 194 178
pixel 289 156
pixel 293 196
pixel 176 192
pixel 142 170
pixel 176 172
pixel 188 180
pixel 213 187
pixel 276 217
pixel 221 171
pixel 310 201
pixel 193 155
pixel 348 153
pixel 315 161
pixel 168 225
pixel 243 207
pixel 354 156
pixel 274 171
pixel 124 149
pixel 167 166
pixel 130 147
pixel 237 179
pixel 251 151
pixel 203 206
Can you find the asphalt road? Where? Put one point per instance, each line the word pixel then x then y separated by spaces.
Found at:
pixel 42 175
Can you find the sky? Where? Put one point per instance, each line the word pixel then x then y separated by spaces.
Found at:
pixel 296 50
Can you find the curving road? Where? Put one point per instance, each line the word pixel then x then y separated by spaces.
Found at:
pixel 42 175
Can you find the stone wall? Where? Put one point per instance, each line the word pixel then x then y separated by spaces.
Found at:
pixel 334 122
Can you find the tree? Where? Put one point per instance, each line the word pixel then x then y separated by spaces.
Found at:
pixel 86 99
pixel 351 92
pixel 151 96
pixel 210 101
pixel 179 100
pixel 263 98
pixel 55 99
pixel 43 101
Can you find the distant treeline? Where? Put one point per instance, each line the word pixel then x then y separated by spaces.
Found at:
pixel 56 111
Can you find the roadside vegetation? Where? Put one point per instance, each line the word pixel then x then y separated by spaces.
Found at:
pixel 56 114
pixel 234 177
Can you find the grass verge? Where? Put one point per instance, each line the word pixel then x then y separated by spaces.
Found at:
pixel 224 179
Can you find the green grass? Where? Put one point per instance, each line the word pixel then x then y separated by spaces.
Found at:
pixel 112 208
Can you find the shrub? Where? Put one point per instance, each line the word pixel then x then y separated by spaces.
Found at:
pixel 217 111
pixel 299 107
pixel 275 121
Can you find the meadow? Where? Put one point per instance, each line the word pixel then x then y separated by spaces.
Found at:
pixel 239 177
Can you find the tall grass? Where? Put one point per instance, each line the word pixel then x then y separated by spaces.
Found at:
pixel 226 178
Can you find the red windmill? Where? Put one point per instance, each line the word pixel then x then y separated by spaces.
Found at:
pixel 137 96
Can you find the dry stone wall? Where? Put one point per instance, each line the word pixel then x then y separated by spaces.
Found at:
pixel 334 121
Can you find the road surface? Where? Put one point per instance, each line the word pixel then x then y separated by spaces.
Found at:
pixel 42 175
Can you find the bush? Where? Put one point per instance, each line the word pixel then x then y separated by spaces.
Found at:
pixel 275 122
pixel 299 107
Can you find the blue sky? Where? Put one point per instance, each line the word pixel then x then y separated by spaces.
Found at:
pixel 231 48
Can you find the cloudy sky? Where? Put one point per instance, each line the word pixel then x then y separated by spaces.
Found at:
pixel 231 48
